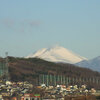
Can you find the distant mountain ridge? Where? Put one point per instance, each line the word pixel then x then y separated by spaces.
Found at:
pixel 93 64
pixel 62 55
pixel 57 54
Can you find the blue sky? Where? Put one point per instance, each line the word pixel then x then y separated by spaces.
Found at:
pixel 29 25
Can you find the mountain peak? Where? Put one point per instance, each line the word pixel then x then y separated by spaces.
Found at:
pixel 57 54
pixel 93 64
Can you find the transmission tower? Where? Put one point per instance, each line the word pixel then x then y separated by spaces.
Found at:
pixel 6 67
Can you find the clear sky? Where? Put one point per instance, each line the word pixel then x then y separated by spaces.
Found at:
pixel 29 25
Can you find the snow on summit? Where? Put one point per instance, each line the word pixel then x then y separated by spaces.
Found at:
pixel 57 54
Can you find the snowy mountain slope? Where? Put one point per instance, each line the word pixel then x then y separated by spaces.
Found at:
pixel 93 64
pixel 57 54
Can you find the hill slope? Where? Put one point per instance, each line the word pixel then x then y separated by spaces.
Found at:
pixel 21 69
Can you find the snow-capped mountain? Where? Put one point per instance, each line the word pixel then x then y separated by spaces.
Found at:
pixel 57 54
pixel 93 64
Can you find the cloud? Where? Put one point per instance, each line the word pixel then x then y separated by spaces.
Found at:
pixel 10 22
pixel 31 23
pixel 7 22
pixel 34 23
pixel 22 26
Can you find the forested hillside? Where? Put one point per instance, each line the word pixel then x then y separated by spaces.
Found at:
pixel 21 69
